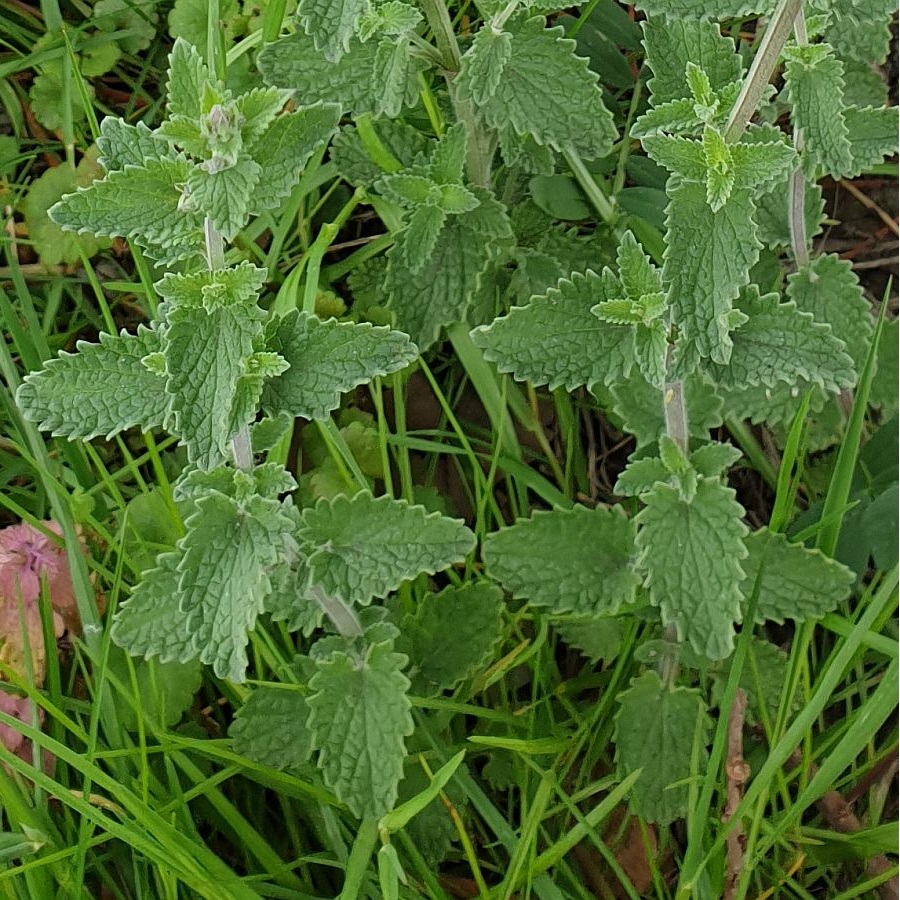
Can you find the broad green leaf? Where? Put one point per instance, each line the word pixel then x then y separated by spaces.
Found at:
pixel 292 602
pixel 680 155
pixel 872 134
pixel 134 21
pixel 238 284
pixel 471 614
pixel 545 90
pixel 227 551
pixel 708 258
pixel 674 41
pixel 326 360
pixel 675 117
pixel 814 84
pixel 691 553
pixel 797 582
pixel 781 343
pixel 349 154
pixel 557 340
pixel 570 561
pixel 415 244
pixel 393 17
pixel 714 459
pixel 860 29
pixel 484 62
pixel 123 145
pixel 640 476
pixel 674 10
pixel 187 76
pixel 270 728
pixel 144 203
pixel 205 353
pixel 391 69
pixel 596 638
pixel 258 109
pixel 637 273
pixel 332 24
pixel 294 63
pixel 102 389
pixel 364 547
pixel 225 197
pixel 440 292
pixel 284 149
pixel 655 732
pixel 359 718
pixel 828 288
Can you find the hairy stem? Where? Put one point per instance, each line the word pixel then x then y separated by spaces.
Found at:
pixel 339 614
pixel 797 185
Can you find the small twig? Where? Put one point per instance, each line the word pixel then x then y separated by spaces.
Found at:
pixel 737 773
pixel 869 203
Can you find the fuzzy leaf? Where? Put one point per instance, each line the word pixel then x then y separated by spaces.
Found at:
pixel 238 284
pixel 225 196
pixel 872 134
pixel 484 62
pixel 596 638
pixel 121 144
pixel 391 69
pixel 285 148
pixel 187 76
pixel 655 730
pixel 703 9
pixel 691 554
pixel 708 258
pixel 332 24
pixel 545 90
pixel 714 459
pixel 641 475
pixel 797 582
pixel 472 615
pixel 814 82
pixel 364 547
pixel 359 718
pixel 326 360
pixel 780 343
pixel 103 389
pixel 270 728
pixel 570 561
pixel 637 273
pixel 416 243
pixel 557 340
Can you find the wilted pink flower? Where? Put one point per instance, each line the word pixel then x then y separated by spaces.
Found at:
pixel 21 708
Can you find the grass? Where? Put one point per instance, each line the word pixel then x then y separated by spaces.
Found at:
pixel 137 806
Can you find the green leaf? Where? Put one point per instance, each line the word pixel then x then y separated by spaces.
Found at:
pixel 284 149
pixel 225 196
pixel 187 76
pixel 134 19
pixel 570 561
pixel 102 389
pixel 483 64
pixel 406 189
pixel 472 615
pixel 270 728
pixel 714 459
pixel 641 475
pixel 332 24
pixel 674 10
pixel 349 154
pixel 797 582
pixel 655 729
pixel 680 155
pixel 859 29
pixel 872 134
pixel 557 340
pixel 545 90
pixel 709 254
pixel 814 83
pixel 596 638
pixel 779 343
pixel 235 285
pixel 359 718
pixel 365 547
pixel 294 63
pixel 637 273
pixel 392 67
pixel 144 203
pixel 416 243
pixel 328 359
pixel 673 41
pixel 123 145
pixel 691 554
pixel 440 292
pixel 393 17
pixel 258 109
pixel 205 353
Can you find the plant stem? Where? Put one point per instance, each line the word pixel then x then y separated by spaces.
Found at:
pixel 797 186
pixel 595 193
pixel 676 413
pixel 339 613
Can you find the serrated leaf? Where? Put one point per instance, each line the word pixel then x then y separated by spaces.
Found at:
pixel 545 90
pixel 270 728
pixel 391 69
pixel 332 24
pixel 205 354
pixel 597 638
pixel 348 153
pixel 709 254
pixel 673 42
pixel 641 475
pixel 797 582
pixel 123 145
pixel 327 359
pixel 859 29
pixel 258 109
pixel 226 553
pixel 714 459
pixel 483 64
pixel 286 146
pixel 704 9
pixel 359 718
pixel 873 136
pixel 781 343
pixel 472 615
pixel 238 284
pixel 655 731
pixel 650 350
pixel 406 188
pixel 691 554
pixel 294 63
pixel 393 17
pixel 187 76
pixel 814 83
pixel 676 117
pixel 416 243
pixel 681 156
pixel 364 547
pixel 570 561
pixel 441 291
pixel 637 273
pixel 225 196
pixel 143 203
pixel 291 601
pixel 557 340
pixel 102 389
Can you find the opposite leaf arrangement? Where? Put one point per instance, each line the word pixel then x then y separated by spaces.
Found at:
pixel 671 344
